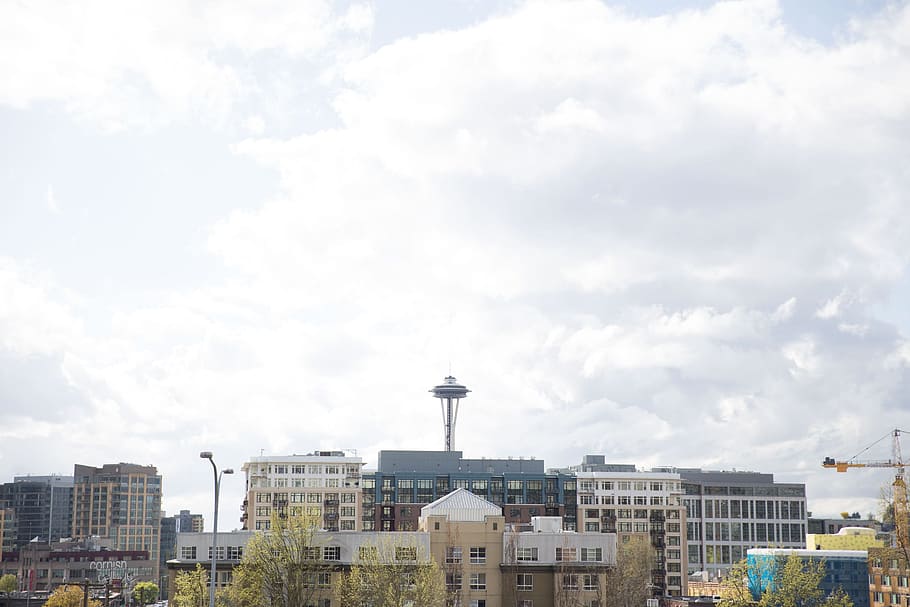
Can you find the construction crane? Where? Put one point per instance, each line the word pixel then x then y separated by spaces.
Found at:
pixel 898 487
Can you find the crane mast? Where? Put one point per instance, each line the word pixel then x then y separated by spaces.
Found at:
pixel 898 487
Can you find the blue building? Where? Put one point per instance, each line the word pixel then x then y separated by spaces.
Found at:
pixel 846 569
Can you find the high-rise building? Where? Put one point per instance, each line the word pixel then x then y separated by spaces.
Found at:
pixel 189 523
pixel 617 498
pixel 7 531
pixel 405 481
pixel 42 507
pixel 121 502
pixel 727 513
pixel 325 484
pixel 167 550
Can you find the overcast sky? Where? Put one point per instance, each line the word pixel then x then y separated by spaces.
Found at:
pixel 673 233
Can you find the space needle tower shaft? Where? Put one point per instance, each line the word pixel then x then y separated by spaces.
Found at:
pixel 450 393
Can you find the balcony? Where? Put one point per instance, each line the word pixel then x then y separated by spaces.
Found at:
pixel 331 502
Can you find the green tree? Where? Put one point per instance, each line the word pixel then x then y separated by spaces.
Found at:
pixel 8 583
pixel 393 573
pixel 145 592
pixel 789 581
pixel 191 588
pixel 69 596
pixel 630 582
pixel 283 567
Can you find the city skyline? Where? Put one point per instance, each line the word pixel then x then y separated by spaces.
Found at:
pixel 667 232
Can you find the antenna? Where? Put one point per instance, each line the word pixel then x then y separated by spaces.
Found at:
pixel 449 394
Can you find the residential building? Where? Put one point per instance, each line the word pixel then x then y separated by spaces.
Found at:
pixel 122 503
pixel 42 507
pixel 189 523
pixel 7 530
pixel 617 498
pixel 326 484
pixel 491 563
pixel 336 551
pixel 846 569
pixel 729 512
pixel 405 481
pixel 889 577
pixel 847 538
pixel 44 566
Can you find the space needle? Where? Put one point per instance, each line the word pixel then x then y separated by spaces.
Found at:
pixel 450 393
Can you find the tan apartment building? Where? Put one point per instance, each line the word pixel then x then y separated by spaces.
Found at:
pixel 121 503
pixel 617 498
pixel 325 484
pixel 889 577
pixel 490 564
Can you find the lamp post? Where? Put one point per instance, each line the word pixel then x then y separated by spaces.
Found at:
pixel 208 455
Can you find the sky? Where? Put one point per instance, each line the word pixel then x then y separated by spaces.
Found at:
pixel 672 233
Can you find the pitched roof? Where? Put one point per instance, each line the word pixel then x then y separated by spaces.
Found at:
pixel 461 505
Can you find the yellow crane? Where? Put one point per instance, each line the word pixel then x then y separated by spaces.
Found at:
pixel 898 487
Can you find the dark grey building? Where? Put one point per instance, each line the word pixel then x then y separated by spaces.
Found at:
pixel 407 480
pixel 42 507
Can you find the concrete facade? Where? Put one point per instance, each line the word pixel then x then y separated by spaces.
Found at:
pixel 618 499
pixel 325 484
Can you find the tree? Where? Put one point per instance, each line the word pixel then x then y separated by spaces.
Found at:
pixel 145 592
pixel 630 582
pixel 393 573
pixel 69 596
pixel 283 567
pixel 783 581
pixel 191 588
pixel 8 583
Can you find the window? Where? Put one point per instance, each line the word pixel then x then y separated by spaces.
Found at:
pixel 453 554
pixel 525 603
pixel 478 555
pixel 592 527
pixel 219 551
pixel 188 552
pixel 566 554
pixel 479 603
pixel 324 579
pixel 526 554
pixel 367 552
pixel 453 581
pixel 348 498
pixel 525 582
pixel 347 525
pixel 570 581
pixel 235 553
pixel 589 581
pixel 331 553
pixel 591 555
pixel 405 553
pixel 478 581
pixel 886 580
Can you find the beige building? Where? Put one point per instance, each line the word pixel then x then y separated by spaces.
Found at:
pixel 847 538
pixel 120 503
pixel 627 502
pixel 325 484
pixel 490 564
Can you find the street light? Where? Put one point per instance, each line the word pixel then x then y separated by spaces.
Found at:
pixel 208 455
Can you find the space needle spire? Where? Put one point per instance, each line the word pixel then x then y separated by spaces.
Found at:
pixel 449 393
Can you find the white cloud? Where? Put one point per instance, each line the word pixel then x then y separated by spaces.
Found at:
pixel 610 226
